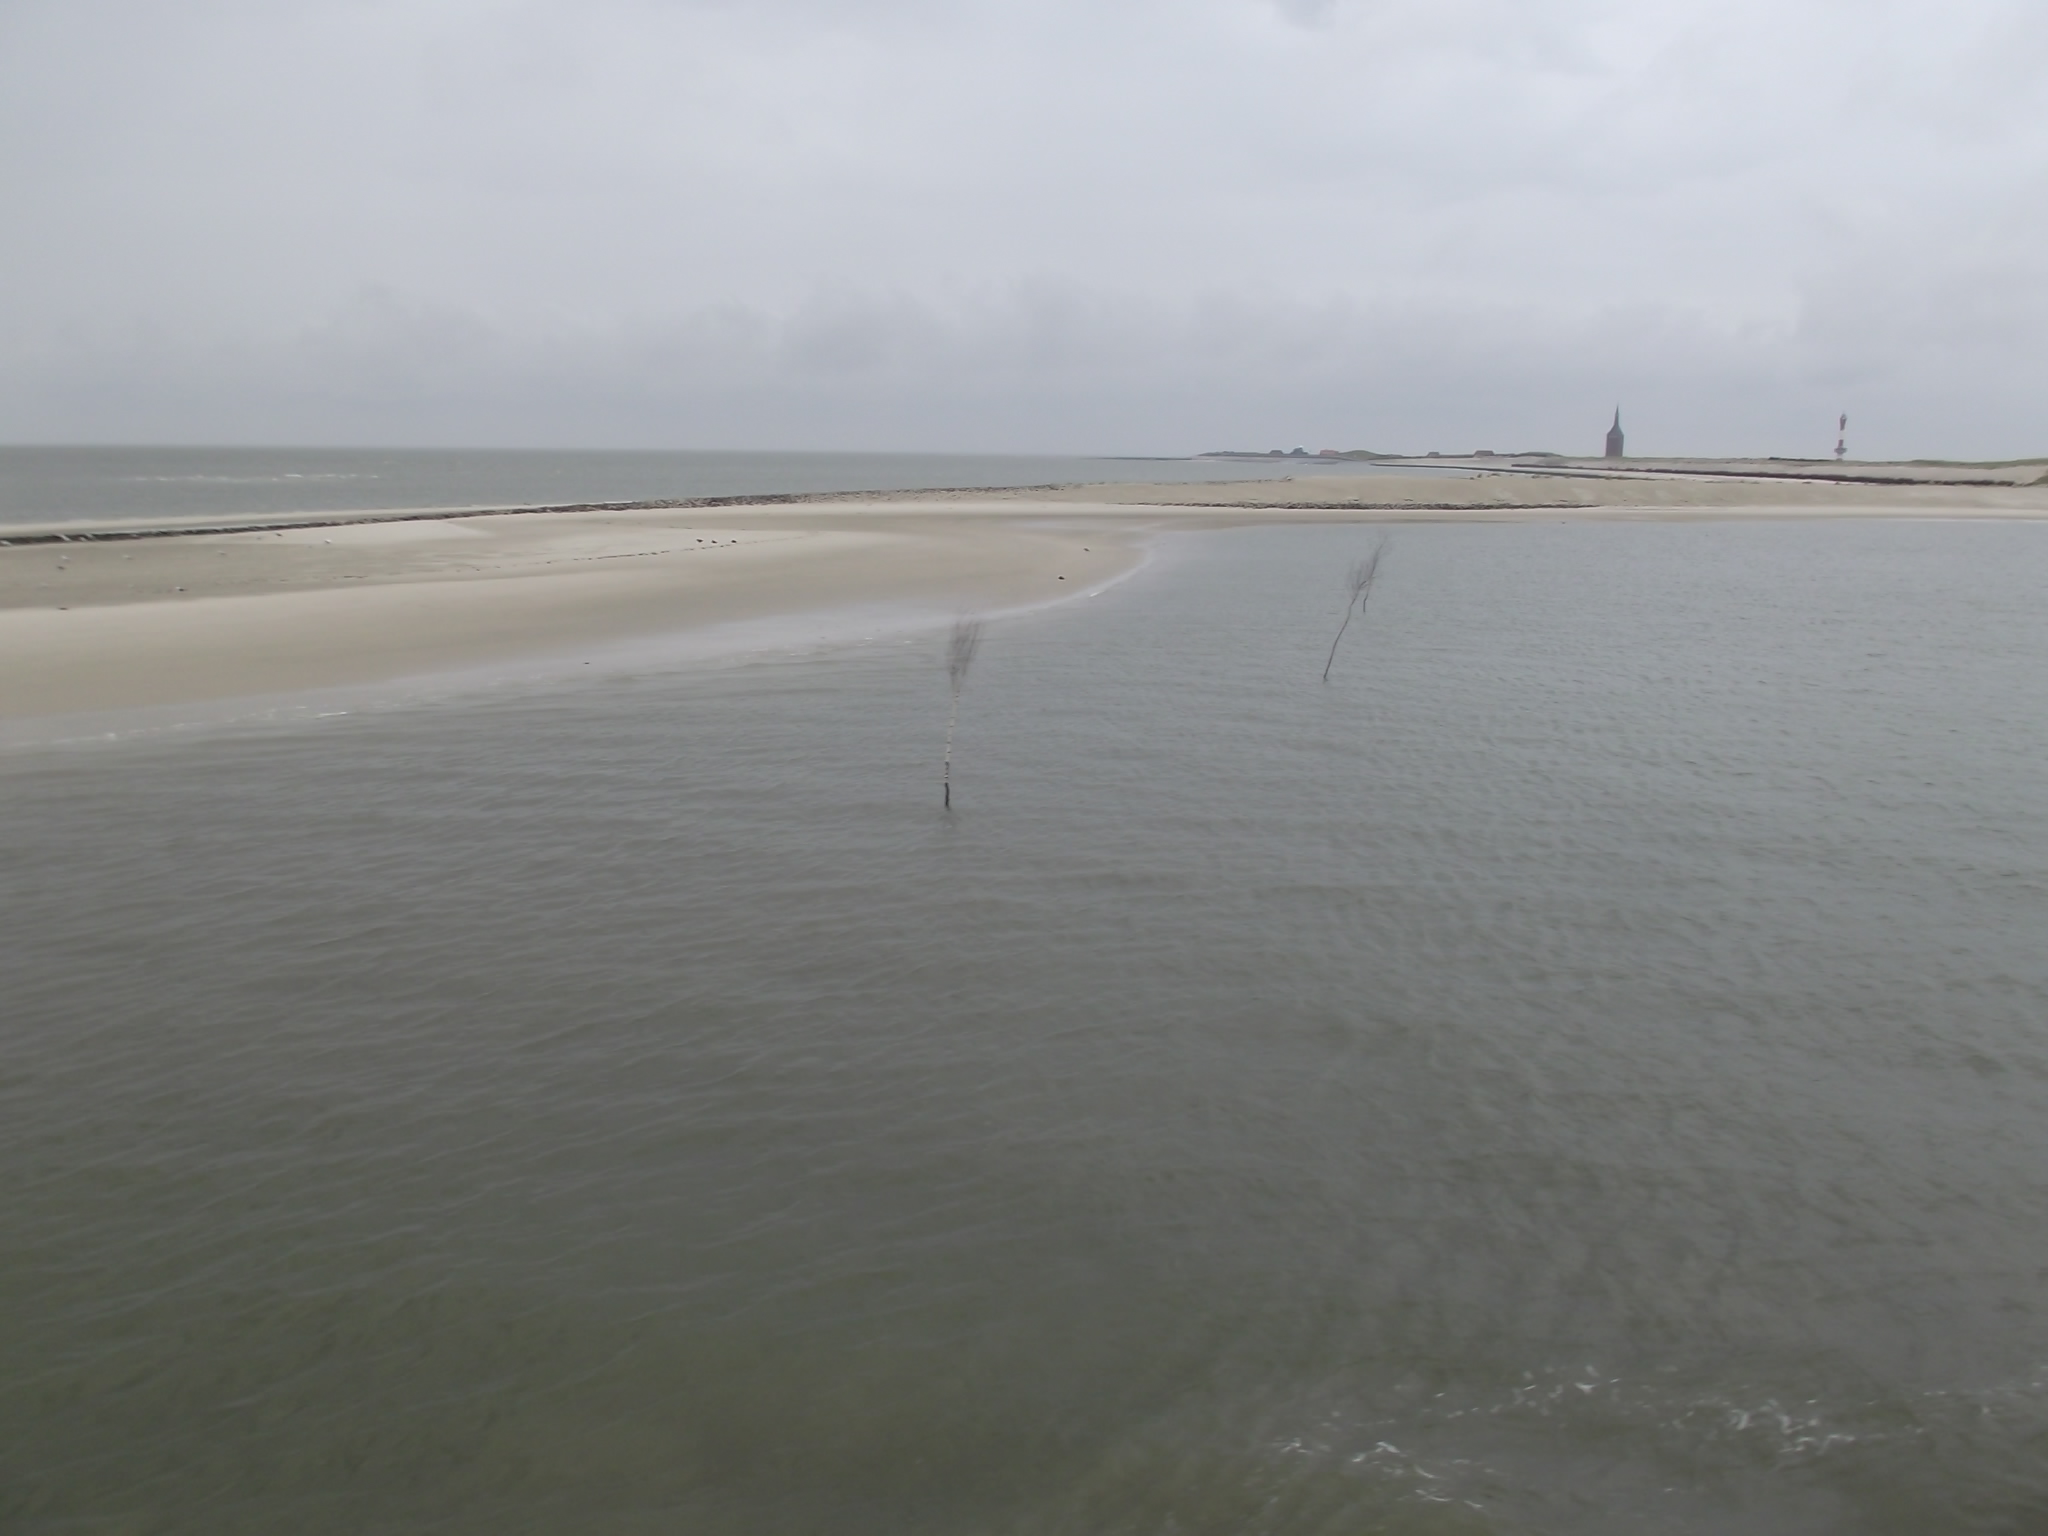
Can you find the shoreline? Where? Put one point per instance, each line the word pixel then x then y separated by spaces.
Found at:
pixel 778 635
pixel 90 630
pixel 86 531
pixel 103 619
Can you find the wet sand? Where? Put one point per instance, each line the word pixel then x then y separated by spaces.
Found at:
pixel 89 626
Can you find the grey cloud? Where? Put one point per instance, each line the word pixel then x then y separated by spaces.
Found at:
pixel 1047 366
pixel 1006 224
pixel 1308 13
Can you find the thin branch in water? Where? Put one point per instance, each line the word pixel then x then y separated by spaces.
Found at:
pixel 959 657
pixel 1358 585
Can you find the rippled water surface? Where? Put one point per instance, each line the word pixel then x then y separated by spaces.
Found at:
pixel 1585 1069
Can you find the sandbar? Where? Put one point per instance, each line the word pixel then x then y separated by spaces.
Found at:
pixel 138 618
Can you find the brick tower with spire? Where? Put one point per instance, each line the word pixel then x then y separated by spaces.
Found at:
pixel 1614 436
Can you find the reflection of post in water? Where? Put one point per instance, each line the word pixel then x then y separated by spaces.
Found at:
pixel 959 657
pixel 1359 583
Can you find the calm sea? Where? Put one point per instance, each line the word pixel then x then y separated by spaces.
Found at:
pixel 54 484
pixel 1583 1070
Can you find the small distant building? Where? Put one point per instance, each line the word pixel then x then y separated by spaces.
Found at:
pixel 1614 436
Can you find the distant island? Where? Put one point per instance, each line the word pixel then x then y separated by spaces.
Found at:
pixel 1371 455
pixel 1548 462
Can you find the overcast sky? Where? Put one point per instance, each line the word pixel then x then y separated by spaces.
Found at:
pixel 1063 225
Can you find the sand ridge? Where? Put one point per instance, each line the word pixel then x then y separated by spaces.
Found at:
pixel 206 615
pixel 90 628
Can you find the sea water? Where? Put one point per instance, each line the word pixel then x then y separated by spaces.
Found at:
pixel 1583 1069
pixel 41 484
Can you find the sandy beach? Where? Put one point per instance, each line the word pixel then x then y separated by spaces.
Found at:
pixel 91 622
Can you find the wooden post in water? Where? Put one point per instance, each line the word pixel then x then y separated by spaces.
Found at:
pixel 959 657
pixel 1359 583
